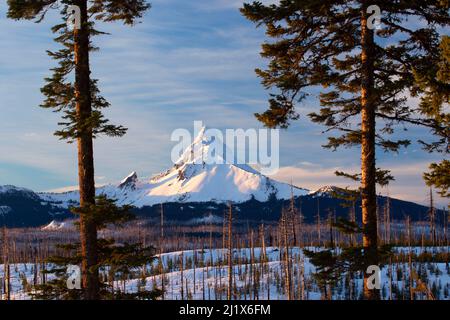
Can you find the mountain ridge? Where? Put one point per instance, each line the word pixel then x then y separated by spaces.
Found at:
pixel 193 188
pixel 21 207
pixel 197 176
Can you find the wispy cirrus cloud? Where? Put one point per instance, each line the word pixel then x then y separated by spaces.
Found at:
pixel 408 184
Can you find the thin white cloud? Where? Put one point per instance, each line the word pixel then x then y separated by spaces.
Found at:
pixel 408 184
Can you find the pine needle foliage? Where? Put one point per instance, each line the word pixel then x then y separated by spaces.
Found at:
pixel 115 261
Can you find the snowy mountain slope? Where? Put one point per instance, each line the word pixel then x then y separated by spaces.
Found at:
pixel 193 189
pixel 20 207
pixel 9 190
pixel 328 192
pixel 57 226
pixel 193 178
pixel 4 210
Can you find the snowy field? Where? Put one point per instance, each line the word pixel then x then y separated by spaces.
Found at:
pixel 257 274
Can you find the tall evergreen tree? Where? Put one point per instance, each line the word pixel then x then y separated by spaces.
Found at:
pixel 365 74
pixel 115 261
pixel 80 99
pixel 434 81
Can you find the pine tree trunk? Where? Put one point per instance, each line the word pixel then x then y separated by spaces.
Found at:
pixel 368 169
pixel 88 229
pixel 6 266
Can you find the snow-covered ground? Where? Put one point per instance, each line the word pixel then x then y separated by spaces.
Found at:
pixel 204 275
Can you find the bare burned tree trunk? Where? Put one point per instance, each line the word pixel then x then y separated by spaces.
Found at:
pixel 163 275
pixel 224 233
pixel 432 218
pixel 253 271
pixel 368 169
pixel 387 221
pixel 182 274
pixel 411 288
pixel 6 266
pixel 330 225
pixel 88 229
pixel 300 223
pixel 378 219
pixel 194 267
pixel 319 236
pixel 286 258
pixel 230 252
pixel 353 219
pixel 302 278
pixel 293 213
pixel 446 216
pixel 162 221
pixel 263 243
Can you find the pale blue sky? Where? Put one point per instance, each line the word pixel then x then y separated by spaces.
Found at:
pixel 186 61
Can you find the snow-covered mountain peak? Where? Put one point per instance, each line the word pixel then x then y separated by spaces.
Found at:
pixel 200 150
pixel 324 189
pixel 195 177
pixel 129 181
pixel 9 189
pixel 327 191
pixel 55 226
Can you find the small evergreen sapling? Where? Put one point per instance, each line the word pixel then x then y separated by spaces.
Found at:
pixel 115 261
